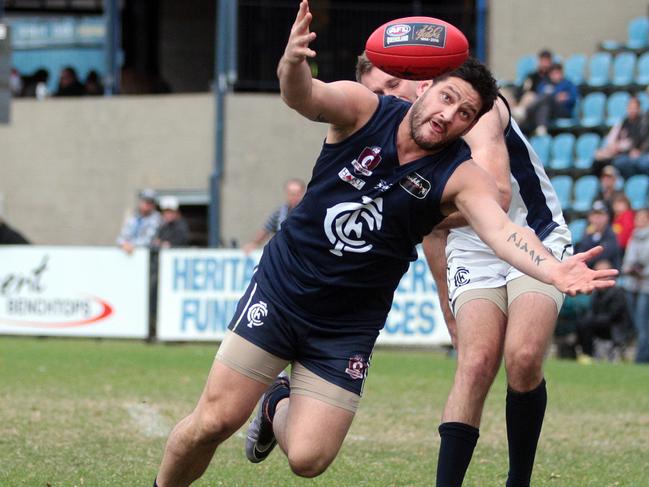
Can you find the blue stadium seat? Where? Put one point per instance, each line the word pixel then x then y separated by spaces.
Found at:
pixel 599 66
pixel 638 33
pixel 577 228
pixel 541 145
pixel 585 148
pixel 585 189
pixel 524 67
pixel 561 151
pixel 642 70
pixel 643 97
pixel 563 187
pixel 575 68
pixel 623 69
pixel 636 188
pixel 616 107
pixel 593 106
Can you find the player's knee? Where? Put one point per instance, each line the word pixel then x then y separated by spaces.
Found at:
pixel 214 427
pixel 524 365
pixel 309 464
pixel 479 368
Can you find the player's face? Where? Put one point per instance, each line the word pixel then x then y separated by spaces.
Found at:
pixel 384 84
pixel 446 111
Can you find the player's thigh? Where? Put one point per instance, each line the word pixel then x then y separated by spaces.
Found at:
pixel 319 416
pixel 533 310
pixel 481 320
pixel 240 374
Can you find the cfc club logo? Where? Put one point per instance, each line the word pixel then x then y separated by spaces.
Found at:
pixel 345 222
pixel 461 277
pixel 357 367
pixel 256 314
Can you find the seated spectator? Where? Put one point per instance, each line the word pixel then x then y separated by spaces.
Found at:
pixel 608 317
pixel 623 216
pixel 69 84
pixel 565 333
pixel 635 270
pixel 624 141
pixel 140 228
pixel 93 85
pixel 9 235
pixel 528 92
pixel 35 86
pixel 174 231
pixel 599 232
pixel 294 190
pixel 556 98
pixel 608 183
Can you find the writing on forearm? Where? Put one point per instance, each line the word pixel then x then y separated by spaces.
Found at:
pixel 522 245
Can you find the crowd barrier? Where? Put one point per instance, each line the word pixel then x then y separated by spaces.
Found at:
pixel 104 292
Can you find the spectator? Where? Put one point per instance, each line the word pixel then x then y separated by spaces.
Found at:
pixel 608 317
pixel 140 228
pixel 623 141
pixel 174 231
pixel 636 282
pixel 623 216
pixel 35 86
pixel 93 85
pixel 294 189
pixel 608 183
pixel 556 98
pixel 599 232
pixel 528 94
pixel 10 236
pixel 69 84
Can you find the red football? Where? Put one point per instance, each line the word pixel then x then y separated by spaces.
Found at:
pixel 417 48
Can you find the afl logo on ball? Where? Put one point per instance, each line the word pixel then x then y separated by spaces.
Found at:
pixel 397 30
pixel 461 277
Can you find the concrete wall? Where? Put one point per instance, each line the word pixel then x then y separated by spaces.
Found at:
pixel 70 168
pixel 519 27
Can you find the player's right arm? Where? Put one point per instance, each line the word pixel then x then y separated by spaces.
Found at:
pixel 345 105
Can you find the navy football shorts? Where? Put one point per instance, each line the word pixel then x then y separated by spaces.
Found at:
pixel 338 354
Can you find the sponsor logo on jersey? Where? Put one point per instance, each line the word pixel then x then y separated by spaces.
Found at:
pixel 382 186
pixel 345 223
pixel 256 314
pixel 367 161
pixel 417 34
pixel 357 367
pixel 416 185
pixel 461 277
pixel 348 177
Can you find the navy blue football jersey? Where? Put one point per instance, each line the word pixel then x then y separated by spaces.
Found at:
pixel 343 250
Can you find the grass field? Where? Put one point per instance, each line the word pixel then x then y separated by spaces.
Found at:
pixel 96 413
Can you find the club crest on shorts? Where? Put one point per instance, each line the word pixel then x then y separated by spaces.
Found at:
pixel 357 366
pixel 461 277
pixel 367 161
pixel 256 314
pixel 416 185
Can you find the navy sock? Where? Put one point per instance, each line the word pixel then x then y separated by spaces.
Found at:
pixel 270 404
pixel 524 413
pixel 455 452
pixel 155 482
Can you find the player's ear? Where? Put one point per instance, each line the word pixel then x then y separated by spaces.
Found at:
pixel 423 86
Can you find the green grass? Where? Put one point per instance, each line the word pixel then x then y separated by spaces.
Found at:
pixel 72 413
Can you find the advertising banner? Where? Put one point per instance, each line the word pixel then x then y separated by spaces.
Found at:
pixel 74 291
pixel 198 292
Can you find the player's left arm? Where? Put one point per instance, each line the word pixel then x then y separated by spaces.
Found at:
pixel 475 195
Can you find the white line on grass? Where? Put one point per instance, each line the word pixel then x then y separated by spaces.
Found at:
pixel 148 420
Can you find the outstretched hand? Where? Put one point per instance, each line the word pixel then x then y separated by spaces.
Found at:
pixel 577 278
pixel 297 48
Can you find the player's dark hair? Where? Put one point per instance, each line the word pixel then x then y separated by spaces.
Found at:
pixel 363 66
pixel 480 78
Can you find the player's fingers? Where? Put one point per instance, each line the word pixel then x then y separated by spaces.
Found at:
pixel 304 40
pixel 302 11
pixel 605 273
pixel 603 284
pixel 594 252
